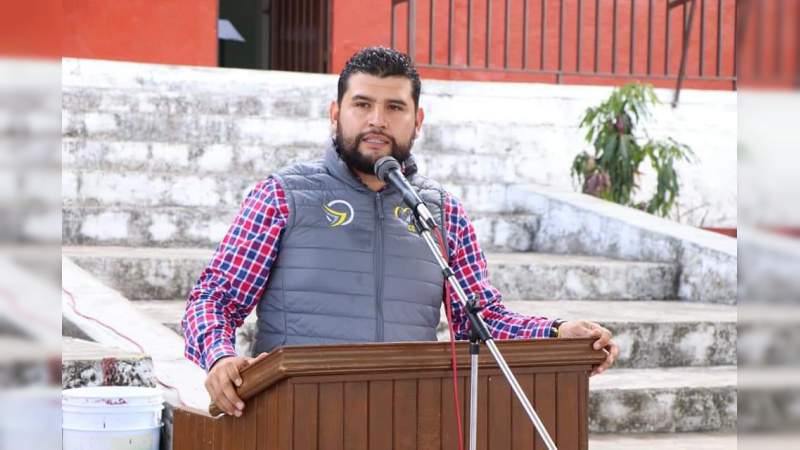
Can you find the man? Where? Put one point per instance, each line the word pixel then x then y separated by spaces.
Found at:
pixel 326 252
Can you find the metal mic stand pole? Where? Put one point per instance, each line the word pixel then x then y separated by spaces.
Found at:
pixel 479 333
pixel 474 351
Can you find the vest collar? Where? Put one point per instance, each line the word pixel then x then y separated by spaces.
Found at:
pixel 339 169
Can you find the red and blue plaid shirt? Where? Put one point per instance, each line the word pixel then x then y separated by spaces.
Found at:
pixel 233 282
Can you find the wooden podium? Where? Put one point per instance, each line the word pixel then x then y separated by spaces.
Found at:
pixel 399 396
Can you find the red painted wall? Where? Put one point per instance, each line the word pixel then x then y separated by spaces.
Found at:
pixel 356 24
pixel 31 29
pixel 163 31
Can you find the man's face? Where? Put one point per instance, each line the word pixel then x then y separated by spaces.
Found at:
pixel 375 119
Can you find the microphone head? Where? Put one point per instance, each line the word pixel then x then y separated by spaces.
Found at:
pixel 384 165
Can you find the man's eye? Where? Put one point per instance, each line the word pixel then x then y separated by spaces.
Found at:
pixel 362 105
pixel 395 107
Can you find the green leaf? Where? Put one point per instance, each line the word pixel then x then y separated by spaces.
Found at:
pixel 609 149
pixel 623 147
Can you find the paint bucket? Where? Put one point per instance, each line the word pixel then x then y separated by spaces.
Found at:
pixel 111 418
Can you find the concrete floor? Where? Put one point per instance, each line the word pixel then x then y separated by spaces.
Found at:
pixel 677 441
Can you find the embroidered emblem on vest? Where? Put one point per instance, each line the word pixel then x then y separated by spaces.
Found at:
pixel 338 216
pixel 405 215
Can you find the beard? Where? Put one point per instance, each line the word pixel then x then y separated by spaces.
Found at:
pixel 356 161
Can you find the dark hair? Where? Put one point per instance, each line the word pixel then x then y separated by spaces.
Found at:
pixel 381 62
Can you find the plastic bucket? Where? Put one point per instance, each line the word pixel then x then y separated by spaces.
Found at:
pixel 111 418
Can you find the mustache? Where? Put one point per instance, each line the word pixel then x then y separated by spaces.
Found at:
pixel 360 136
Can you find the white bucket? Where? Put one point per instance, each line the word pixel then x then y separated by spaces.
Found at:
pixel 111 418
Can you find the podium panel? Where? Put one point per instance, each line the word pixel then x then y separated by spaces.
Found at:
pixel 399 396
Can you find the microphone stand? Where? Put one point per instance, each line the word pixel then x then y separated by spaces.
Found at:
pixel 479 333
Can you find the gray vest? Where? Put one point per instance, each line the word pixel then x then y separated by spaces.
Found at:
pixel 351 267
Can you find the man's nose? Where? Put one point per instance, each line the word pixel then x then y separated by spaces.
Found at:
pixel 378 118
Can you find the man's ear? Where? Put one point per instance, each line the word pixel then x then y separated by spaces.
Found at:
pixel 334 115
pixel 419 119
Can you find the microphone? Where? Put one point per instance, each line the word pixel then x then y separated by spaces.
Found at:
pixel 387 169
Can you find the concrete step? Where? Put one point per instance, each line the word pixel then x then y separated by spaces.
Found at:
pixel 768 441
pixel 247 161
pixel 140 273
pixel 650 334
pixel 663 441
pixel 206 128
pixel 86 363
pixel 109 188
pixel 291 101
pixel 769 398
pixel 539 276
pixel 169 273
pixel 654 333
pixel 148 189
pixel 664 400
pixel 766 331
pixel 186 226
pixel 153 155
pixel 464 137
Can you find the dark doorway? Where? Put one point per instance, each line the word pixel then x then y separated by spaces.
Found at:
pixel 279 34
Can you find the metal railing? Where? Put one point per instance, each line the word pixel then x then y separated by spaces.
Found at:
pixel 650 39
pixel 299 35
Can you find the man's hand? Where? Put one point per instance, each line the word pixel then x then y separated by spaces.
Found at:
pixel 222 377
pixel 586 329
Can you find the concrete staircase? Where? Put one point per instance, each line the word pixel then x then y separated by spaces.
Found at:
pixel 155 166
pixel 676 371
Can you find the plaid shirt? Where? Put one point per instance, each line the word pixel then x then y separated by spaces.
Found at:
pixel 233 282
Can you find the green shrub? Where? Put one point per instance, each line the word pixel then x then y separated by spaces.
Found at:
pixel 611 172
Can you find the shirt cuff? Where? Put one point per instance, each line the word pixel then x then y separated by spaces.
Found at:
pixel 213 354
pixel 542 329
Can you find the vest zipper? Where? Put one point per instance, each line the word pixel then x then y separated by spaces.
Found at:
pixel 379 269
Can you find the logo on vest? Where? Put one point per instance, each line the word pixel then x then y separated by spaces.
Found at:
pixel 405 215
pixel 338 212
